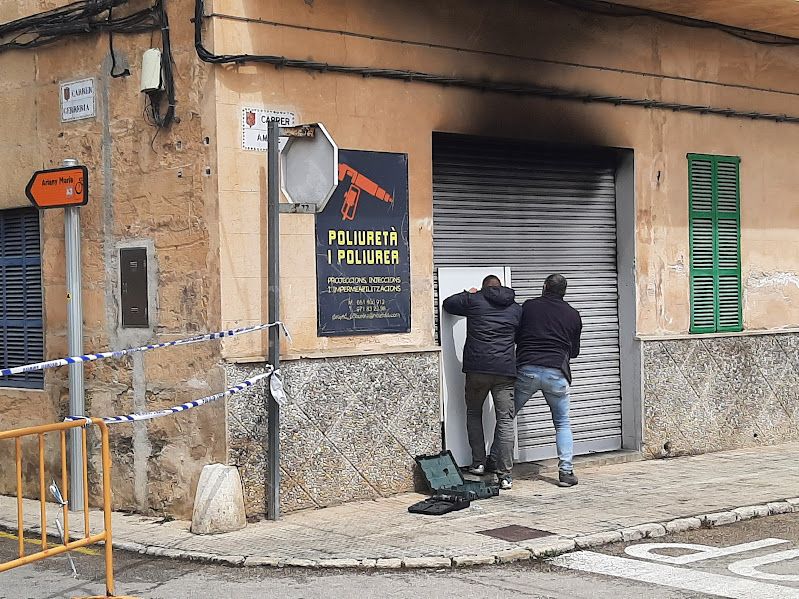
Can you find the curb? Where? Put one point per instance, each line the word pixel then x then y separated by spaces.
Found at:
pixel 537 549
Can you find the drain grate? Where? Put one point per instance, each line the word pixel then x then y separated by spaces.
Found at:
pixel 515 533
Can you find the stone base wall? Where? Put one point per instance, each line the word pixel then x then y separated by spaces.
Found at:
pixel 351 430
pixel 711 394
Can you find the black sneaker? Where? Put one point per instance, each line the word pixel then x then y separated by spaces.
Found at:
pixel 505 482
pixel 566 479
pixel 477 469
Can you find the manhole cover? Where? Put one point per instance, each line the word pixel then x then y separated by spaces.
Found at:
pixel 515 533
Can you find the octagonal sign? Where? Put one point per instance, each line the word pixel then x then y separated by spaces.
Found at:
pixel 309 168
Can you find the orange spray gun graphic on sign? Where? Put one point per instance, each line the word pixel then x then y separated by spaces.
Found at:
pixel 358 183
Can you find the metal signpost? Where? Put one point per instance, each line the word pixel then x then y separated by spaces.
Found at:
pixel 77 405
pixel 309 177
pixel 68 188
pixel 273 216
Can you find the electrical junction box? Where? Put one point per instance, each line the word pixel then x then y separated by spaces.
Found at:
pixel 133 279
pixel 151 70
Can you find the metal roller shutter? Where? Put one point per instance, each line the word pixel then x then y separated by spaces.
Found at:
pixel 541 210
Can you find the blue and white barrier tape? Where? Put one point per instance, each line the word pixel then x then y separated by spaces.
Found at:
pixel 124 352
pixel 275 384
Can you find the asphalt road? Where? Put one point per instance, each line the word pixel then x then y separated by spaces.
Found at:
pixel 577 577
pixel 758 558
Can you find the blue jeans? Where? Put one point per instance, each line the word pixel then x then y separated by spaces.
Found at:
pixel 550 381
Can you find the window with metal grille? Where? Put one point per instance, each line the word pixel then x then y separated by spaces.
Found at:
pixel 21 296
pixel 715 239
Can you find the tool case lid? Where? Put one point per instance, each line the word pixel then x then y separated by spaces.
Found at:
pixel 440 470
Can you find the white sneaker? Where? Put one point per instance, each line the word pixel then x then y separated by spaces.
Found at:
pixel 505 482
pixel 478 470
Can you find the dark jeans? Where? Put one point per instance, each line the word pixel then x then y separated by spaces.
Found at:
pixel 501 388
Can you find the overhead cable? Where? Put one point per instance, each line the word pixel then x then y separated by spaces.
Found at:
pixel 498 86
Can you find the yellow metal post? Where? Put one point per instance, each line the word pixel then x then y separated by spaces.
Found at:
pixel 20 513
pixel 109 550
pixel 65 485
pixel 42 495
pixel 85 485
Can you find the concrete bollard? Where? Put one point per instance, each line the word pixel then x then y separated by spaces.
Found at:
pixel 219 501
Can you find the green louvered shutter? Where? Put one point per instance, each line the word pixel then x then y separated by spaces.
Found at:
pixel 728 245
pixel 715 225
pixel 703 296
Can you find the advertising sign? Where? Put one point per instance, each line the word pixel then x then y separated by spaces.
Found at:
pixel 362 250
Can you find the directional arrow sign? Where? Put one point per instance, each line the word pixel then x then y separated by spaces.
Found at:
pixel 59 187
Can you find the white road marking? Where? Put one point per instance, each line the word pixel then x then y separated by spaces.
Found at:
pixel 702 552
pixel 673 577
pixel 749 567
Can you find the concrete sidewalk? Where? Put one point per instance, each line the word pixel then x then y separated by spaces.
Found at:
pixel 611 503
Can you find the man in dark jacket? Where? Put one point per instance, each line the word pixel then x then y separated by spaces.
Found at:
pixel 489 361
pixel 549 336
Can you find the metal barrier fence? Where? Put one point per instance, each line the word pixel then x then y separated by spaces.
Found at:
pixel 39 432
pixel 82 422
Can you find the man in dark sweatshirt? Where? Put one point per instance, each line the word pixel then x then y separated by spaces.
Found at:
pixel 489 361
pixel 548 337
